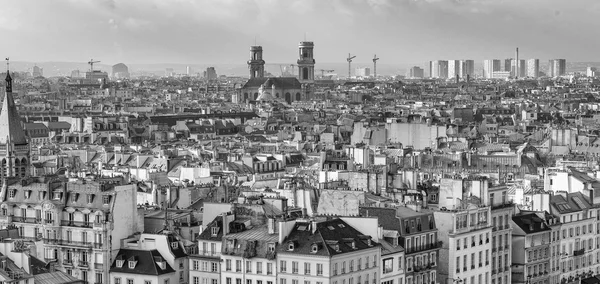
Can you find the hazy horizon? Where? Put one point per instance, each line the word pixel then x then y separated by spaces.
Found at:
pixel 221 31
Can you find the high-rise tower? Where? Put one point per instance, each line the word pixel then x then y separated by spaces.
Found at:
pixel 306 62
pixel 256 64
pixel 14 146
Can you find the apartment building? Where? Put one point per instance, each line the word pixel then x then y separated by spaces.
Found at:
pixel 205 263
pixel 502 210
pixel 248 254
pixel 531 239
pixel 327 252
pixel 76 225
pixel 463 222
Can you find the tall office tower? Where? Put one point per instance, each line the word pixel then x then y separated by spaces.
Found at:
pixel 256 64
pixel 468 68
pixel 533 68
pixel 508 65
pixel 210 73
pixel 362 72
pixel 517 64
pixel 306 62
pixel 416 72
pixel 591 71
pixel 454 68
pixel 489 67
pixel 518 68
pixel 438 69
pixel 557 67
pixel 188 70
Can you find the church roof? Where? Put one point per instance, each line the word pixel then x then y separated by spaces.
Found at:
pixel 279 82
pixel 10 121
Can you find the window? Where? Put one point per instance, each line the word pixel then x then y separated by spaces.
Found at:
pixel 129 281
pixel 147 282
pixel 269 268
pixel 166 281
pixel 259 267
pixel 228 265
pixel 174 245
pixel 117 280
pixel 195 280
pixel 319 269
pixel 307 268
pixel 388 265
pixel 98 278
pixel 238 265
pixel 295 267
pixel 248 266
pixel 195 265
pixel 283 266
pixel 11 193
pixel 106 199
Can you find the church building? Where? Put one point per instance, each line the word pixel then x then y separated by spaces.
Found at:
pixel 284 89
pixel 14 146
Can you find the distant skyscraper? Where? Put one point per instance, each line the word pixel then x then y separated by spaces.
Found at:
pixel 362 72
pixel 518 70
pixel 489 67
pixel 120 71
pixel 438 69
pixel 454 68
pixel 533 68
pixel 468 67
pixel 557 67
pixel 210 73
pixel 591 71
pixel 416 72
pixel 188 70
pixel 169 72
pixel 508 64
pixel 37 71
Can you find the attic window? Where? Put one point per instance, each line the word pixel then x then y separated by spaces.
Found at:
pixel 291 246
pixel 314 248
pixel 341 225
pixel 75 197
pixel 106 199
pixel 132 262
pixel 270 247
pixel 174 245
pixel 27 194
pixel 90 198
pixel 214 231
pixel 11 193
pixel 330 227
pixel 120 263
pixel 56 195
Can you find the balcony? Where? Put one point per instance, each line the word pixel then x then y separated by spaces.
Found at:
pixel 6 218
pixel 20 219
pixel 209 253
pixel 98 265
pixel 80 224
pixel 425 247
pixel 67 262
pixel 506 204
pixel 62 242
pixel 100 225
pixel 98 245
pixel 83 263
pixel 579 252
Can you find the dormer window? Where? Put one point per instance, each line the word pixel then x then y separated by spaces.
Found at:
pixel 11 193
pixel 27 194
pixel 90 198
pixel 271 247
pixel 132 262
pixel 314 248
pixel 174 245
pixel 56 196
pixel 291 246
pixel 120 263
pixel 75 197
pixel 106 199
pixel 214 231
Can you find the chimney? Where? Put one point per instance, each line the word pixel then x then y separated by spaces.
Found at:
pixel 271 226
pixel 226 222
pixel 591 196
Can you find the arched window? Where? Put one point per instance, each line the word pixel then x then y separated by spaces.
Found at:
pixel 298 97
pixel 305 73
pixel 288 98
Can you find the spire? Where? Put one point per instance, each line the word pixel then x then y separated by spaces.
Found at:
pixel 10 121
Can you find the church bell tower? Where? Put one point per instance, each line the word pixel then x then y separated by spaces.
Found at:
pixel 14 145
pixel 306 62
pixel 256 64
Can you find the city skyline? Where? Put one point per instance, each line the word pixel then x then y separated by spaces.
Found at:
pixel 141 32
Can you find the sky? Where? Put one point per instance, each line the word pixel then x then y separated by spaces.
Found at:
pixel 221 31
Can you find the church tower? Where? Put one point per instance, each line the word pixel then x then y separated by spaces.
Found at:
pixel 14 146
pixel 256 64
pixel 306 63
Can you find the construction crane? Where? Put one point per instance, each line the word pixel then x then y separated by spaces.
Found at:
pixel 323 72
pixel 375 58
pixel 349 59
pixel 91 63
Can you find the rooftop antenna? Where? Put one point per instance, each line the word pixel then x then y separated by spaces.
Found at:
pixel 7 63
